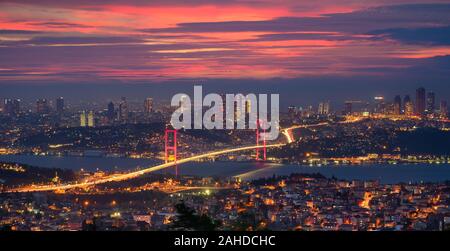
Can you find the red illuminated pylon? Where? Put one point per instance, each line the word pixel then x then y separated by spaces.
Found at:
pixel 171 147
pixel 258 124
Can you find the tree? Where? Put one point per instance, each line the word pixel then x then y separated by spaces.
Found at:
pixel 245 221
pixel 188 219
pixel 5 228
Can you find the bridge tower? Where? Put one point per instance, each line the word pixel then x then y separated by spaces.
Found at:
pixel 258 136
pixel 170 139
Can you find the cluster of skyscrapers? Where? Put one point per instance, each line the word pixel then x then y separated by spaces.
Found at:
pixel 114 113
pixel 111 115
pixel 43 106
pixel 324 109
pixel 424 105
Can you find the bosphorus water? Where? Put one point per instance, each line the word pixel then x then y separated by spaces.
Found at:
pixel 385 173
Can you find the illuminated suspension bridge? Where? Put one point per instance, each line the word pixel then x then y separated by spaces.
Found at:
pixel 172 161
pixel 135 174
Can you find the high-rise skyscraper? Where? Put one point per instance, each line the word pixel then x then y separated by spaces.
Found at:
pixel 397 105
pixel 11 106
pixel 292 111
pixel 111 114
pixel 83 119
pixel 90 120
pixel 327 108
pixel 420 101
pixel 324 108
pixel 320 109
pixel 443 109
pixel 60 105
pixel 16 106
pixel 123 110
pixel 148 105
pixel 7 106
pixel 431 102
pixel 348 107
pixel 42 106
pixel 409 106
pixel 380 105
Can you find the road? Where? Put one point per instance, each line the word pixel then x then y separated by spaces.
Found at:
pixel 287 131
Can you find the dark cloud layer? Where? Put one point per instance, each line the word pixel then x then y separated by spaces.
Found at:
pixel 355 22
pixel 428 36
pixel 18 32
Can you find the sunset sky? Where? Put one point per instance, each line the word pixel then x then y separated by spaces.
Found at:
pixel 164 40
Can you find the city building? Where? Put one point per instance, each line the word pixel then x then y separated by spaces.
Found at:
pixel 111 113
pixel 324 108
pixel 11 106
pixel 292 109
pixel 293 112
pixel 83 119
pixel 348 106
pixel 443 109
pixel 148 105
pixel 123 110
pixel 397 105
pixel 380 105
pixel 7 106
pixel 420 101
pixel 408 105
pixel 431 102
pixel 90 119
pixel 60 105
pixel 42 106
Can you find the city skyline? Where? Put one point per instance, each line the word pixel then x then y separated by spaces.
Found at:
pixel 424 101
